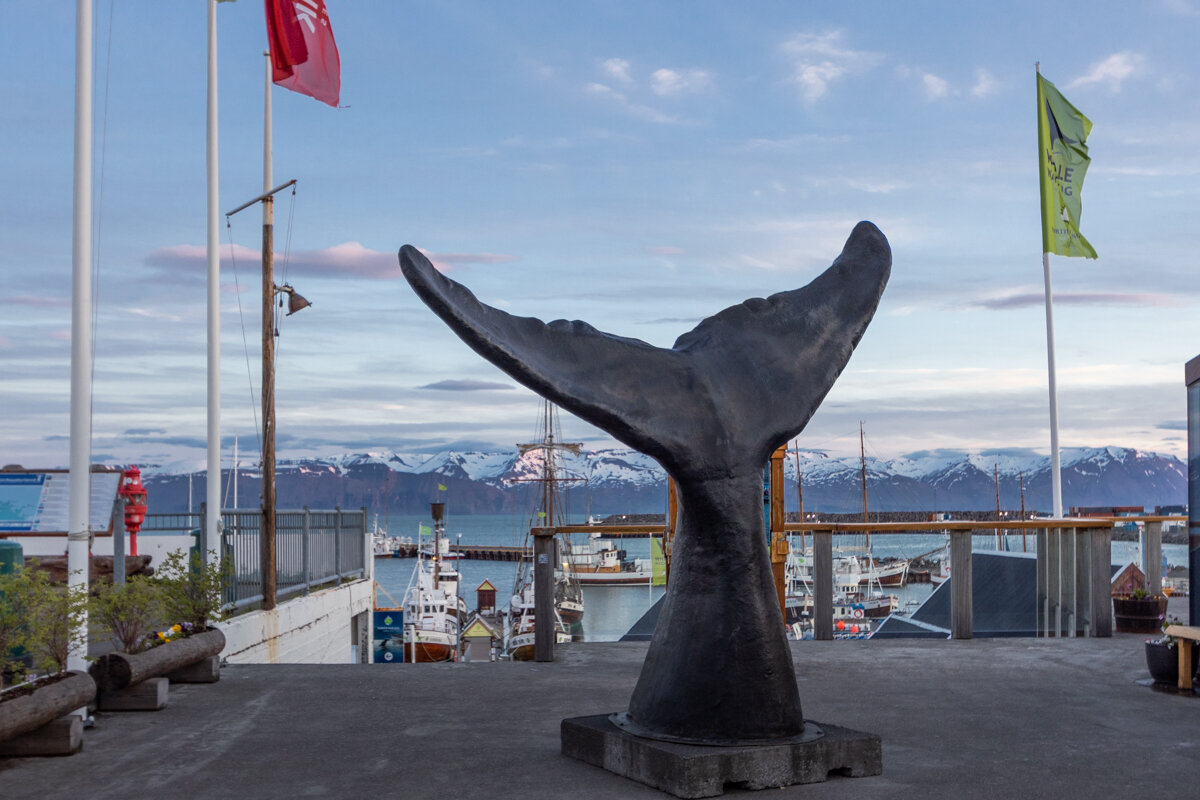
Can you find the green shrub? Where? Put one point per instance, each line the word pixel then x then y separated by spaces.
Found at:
pixel 127 611
pixel 193 590
pixel 16 597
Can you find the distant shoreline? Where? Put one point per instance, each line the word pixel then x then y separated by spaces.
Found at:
pixel 1118 534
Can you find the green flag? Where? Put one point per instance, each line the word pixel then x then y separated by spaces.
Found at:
pixel 1063 162
pixel 441 487
pixel 424 530
pixel 658 563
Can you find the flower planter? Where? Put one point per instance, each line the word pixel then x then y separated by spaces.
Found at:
pixel 1162 661
pixel 22 712
pixel 1143 615
pixel 115 671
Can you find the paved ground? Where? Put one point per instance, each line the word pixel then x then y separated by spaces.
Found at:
pixel 982 718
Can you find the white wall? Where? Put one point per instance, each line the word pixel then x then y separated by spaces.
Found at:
pixel 317 628
pixel 155 546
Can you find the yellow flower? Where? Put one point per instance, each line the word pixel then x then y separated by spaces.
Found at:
pixel 162 635
pixel 176 628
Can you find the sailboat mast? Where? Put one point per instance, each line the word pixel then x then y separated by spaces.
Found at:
pixel 1023 545
pixel 862 456
pixel 800 495
pixel 999 537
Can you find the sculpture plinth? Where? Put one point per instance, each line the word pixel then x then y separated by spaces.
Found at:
pixel 711 410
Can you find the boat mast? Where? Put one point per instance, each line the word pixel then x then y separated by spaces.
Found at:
pixel 1023 546
pixel 862 455
pixel 999 537
pixel 800 495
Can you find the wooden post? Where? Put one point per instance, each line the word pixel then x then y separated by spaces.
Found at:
pixel 778 539
pixel 1043 603
pixel 543 594
pixel 1101 595
pixel 1083 582
pixel 1066 571
pixel 268 405
pixel 961 611
pixel 822 583
pixel 1053 582
pixel 1152 548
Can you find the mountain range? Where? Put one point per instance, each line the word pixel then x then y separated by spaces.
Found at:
pixel 611 481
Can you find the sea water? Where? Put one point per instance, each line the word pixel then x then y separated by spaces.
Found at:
pixel 610 611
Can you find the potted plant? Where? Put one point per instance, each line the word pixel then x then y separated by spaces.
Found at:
pixel 1139 612
pixel 1162 655
pixel 186 595
pixel 40 626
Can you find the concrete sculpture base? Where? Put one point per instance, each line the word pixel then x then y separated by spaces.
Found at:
pixel 688 770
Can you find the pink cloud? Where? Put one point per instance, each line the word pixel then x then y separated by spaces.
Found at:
pixel 42 301
pixel 349 259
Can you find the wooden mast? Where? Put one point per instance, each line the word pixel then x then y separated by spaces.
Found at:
pixel 862 455
pixel 800 494
pixel 999 536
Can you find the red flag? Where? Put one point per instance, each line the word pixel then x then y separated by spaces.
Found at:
pixel 304 57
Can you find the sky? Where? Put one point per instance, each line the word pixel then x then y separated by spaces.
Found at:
pixel 638 165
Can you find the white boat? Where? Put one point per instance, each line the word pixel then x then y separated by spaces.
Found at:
pixel 434 612
pixel 443 550
pixel 599 562
pixel 568 595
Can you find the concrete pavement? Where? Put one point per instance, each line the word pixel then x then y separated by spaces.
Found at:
pixel 1020 718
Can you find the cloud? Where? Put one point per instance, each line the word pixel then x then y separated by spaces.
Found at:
pixel 617 68
pixel 346 260
pixel 41 301
pixel 985 84
pixel 465 386
pixel 820 59
pixel 1112 71
pixel 668 81
pixel 1173 425
pixel 1025 300
pixel 663 250
pixel 638 110
pixel 935 87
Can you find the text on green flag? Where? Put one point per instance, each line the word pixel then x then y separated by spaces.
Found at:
pixel 1063 163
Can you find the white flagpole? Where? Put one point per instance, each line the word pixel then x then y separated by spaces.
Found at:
pixel 213 494
pixel 79 500
pixel 1055 458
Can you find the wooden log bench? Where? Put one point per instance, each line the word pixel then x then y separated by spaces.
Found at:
pixel 1186 667
pixel 115 671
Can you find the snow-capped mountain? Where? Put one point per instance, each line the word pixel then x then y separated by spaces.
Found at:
pixel 626 481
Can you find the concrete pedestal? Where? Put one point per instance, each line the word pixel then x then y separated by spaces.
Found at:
pixel 206 670
pixel 62 737
pixel 148 695
pixel 688 770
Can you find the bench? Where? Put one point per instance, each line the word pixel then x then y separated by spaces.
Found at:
pixel 1188 633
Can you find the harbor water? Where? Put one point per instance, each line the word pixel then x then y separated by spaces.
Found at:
pixel 611 610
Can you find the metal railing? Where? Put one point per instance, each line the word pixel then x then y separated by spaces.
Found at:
pixel 312 548
pixel 1074 566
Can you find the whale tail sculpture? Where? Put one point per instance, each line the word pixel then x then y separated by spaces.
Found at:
pixel 711 410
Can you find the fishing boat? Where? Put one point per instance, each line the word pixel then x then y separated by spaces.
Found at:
pixel 599 562
pixel 444 551
pixel 568 595
pixel 434 609
pixel 521 636
pixel 384 546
